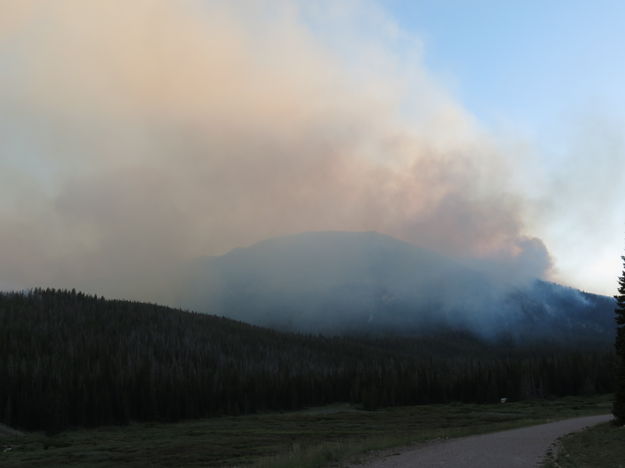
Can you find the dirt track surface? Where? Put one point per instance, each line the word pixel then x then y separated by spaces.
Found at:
pixel 525 447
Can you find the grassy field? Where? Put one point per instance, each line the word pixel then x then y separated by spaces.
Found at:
pixel 602 446
pixel 314 437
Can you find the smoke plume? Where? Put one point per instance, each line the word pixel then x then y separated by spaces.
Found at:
pixel 138 136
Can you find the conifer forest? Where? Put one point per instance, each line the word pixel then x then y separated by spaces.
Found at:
pixel 72 360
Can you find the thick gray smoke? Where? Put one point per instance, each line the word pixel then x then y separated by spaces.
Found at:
pixel 135 138
pixel 365 282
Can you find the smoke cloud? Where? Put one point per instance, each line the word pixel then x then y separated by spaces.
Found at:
pixel 137 137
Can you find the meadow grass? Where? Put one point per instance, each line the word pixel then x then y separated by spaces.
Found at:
pixel 601 446
pixel 310 438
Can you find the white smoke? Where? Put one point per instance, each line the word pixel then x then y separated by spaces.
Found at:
pixel 137 137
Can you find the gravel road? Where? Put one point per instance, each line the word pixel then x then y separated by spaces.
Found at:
pixel 525 447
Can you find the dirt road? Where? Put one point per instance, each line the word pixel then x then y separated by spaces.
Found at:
pixel 525 447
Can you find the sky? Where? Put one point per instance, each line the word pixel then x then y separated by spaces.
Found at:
pixel 550 75
pixel 530 62
pixel 137 137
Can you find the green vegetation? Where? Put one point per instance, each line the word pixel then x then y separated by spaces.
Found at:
pixel 619 397
pixel 71 360
pixel 601 446
pixel 314 437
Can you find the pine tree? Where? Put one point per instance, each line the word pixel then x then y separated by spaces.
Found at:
pixel 619 396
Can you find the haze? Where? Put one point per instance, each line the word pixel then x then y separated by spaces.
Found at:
pixel 136 138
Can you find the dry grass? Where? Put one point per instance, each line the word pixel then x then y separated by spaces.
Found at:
pixel 311 438
pixel 601 446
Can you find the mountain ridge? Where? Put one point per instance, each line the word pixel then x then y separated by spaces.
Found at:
pixel 336 282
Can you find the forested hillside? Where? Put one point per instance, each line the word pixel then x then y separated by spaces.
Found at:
pixel 365 282
pixel 68 359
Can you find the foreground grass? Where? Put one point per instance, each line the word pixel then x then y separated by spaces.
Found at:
pixel 601 446
pixel 310 438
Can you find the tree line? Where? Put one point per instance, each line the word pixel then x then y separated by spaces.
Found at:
pixel 68 359
pixel 619 395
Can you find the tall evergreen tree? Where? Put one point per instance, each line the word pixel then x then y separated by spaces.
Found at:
pixel 619 396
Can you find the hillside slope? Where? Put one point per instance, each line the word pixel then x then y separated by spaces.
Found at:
pixel 67 359
pixel 365 282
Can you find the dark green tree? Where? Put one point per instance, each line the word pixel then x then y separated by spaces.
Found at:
pixel 619 396
pixel 70 360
